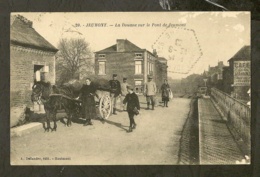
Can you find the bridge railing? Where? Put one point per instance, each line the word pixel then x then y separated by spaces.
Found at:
pixel 238 114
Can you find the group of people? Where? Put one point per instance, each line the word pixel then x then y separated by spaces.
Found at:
pixel 128 98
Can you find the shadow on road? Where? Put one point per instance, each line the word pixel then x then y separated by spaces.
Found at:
pixel 119 125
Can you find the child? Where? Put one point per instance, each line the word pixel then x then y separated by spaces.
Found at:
pixel 133 106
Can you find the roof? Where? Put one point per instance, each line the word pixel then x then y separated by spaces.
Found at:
pixel 128 46
pixel 23 34
pixel 242 54
pixel 162 60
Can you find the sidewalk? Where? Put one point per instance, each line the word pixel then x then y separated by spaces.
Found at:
pixel 217 145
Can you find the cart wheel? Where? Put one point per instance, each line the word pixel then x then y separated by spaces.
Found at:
pixel 105 106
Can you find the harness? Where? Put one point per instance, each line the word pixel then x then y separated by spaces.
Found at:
pixel 39 96
pixel 64 96
pixel 42 100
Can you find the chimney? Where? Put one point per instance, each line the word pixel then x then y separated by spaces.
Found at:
pixel 25 20
pixel 120 45
pixel 154 52
pixel 220 64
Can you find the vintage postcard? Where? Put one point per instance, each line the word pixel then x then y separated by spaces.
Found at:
pixel 130 88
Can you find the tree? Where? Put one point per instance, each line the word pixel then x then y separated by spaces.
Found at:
pixel 73 58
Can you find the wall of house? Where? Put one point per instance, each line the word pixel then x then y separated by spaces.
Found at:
pixel 22 61
pixel 122 64
pixel 227 80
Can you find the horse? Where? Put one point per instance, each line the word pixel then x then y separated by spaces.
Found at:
pixel 55 98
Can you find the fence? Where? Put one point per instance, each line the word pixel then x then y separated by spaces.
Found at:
pixel 238 114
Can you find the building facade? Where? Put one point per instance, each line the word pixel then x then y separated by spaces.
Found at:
pixel 128 60
pixel 240 72
pixel 32 58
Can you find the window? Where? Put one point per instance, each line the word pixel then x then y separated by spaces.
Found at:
pixel 138 83
pixel 101 55
pixel 138 55
pixel 150 68
pixel 138 67
pixel 102 67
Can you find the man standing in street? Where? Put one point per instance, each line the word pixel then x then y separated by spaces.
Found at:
pixel 124 92
pixel 150 92
pixel 115 91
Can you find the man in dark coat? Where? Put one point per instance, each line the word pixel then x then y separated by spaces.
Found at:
pixel 133 106
pixel 87 94
pixel 115 91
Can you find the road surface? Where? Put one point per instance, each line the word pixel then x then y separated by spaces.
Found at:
pixel 155 140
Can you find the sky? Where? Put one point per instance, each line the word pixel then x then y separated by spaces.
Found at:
pixel 194 40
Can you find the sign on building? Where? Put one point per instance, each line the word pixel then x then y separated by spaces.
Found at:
pixel 242 73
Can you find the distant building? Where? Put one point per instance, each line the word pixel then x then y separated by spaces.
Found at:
pixel 128 60
pixel 215 75
pixel 31 58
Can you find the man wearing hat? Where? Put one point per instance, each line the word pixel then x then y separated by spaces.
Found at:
pixel 124 92
pixel 115 91
pixel 150 92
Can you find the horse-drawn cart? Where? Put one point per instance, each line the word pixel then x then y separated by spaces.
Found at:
pixel 103 99
pixel 104 103
pixel 65 97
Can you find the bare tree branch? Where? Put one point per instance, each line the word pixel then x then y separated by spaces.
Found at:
pixel 73 54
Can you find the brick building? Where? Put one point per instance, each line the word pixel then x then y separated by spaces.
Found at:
pixel 31 58
pixel 130 61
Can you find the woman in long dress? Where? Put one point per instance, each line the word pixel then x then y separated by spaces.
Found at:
pixel 165 93
pixel 88 93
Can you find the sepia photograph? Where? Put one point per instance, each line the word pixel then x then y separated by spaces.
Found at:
pixel 130 88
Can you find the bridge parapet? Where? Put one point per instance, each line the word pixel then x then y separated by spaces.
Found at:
pixel 237 114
